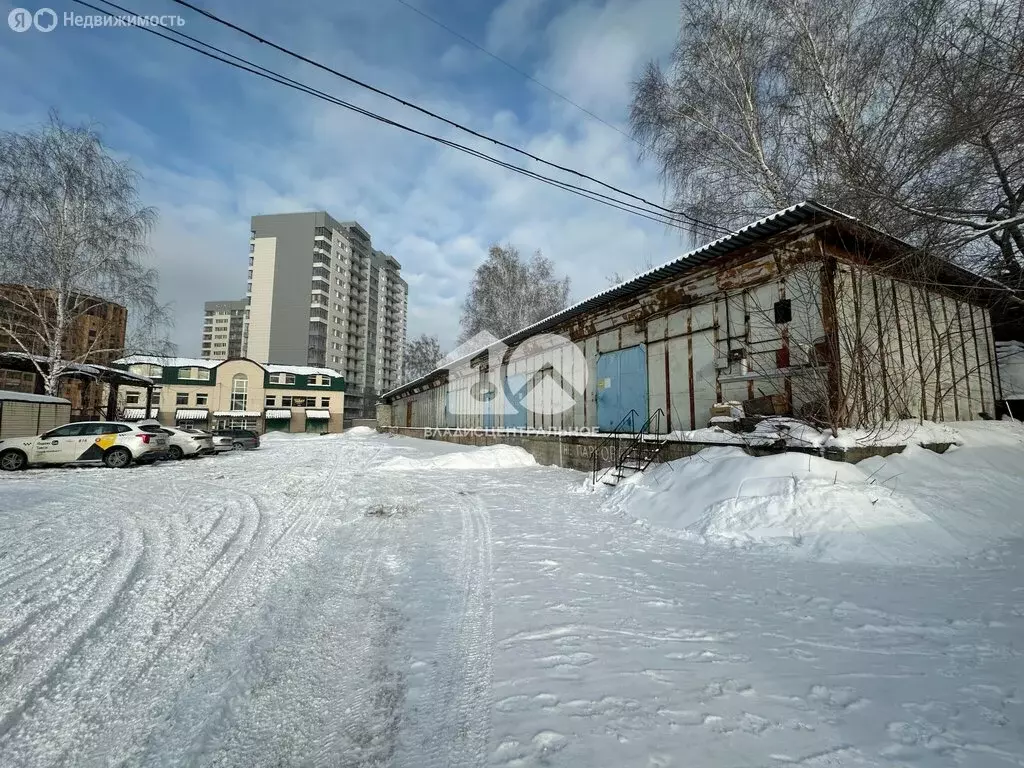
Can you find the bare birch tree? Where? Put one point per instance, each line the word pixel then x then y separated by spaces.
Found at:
pixel 73 235
pixel 910 116
pixel 422 356
pixel 509 293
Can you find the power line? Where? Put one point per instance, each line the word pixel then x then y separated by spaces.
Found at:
pixel 692 221
pixel 239 62
pixel 515 69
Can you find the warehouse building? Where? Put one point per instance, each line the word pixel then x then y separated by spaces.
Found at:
pixel 806 312
pixel 236 393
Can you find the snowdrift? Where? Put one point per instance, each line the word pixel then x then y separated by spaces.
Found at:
pixel 488 457
pixel 914 508
pixel 360 432
pixel 802 435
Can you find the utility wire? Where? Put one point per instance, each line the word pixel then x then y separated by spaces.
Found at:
pixel 248 66
pixel 515 69
pixel 690 220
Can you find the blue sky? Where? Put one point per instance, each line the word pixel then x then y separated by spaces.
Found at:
pixel 215 145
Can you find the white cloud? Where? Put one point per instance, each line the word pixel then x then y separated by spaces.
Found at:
pixel 513 26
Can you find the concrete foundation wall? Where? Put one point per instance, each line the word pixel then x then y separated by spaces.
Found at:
pixel 576 451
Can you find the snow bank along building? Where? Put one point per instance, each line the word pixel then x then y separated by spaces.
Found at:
pixel 805 312
pixel 238 392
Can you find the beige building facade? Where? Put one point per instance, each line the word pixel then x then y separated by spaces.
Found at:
pixel 237 393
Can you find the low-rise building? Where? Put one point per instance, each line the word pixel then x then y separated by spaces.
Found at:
pixel 807 312
pixel 235 393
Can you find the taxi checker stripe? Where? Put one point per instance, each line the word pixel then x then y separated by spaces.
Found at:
pixel 99 446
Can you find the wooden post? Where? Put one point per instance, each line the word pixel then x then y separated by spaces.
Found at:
pixel 111 401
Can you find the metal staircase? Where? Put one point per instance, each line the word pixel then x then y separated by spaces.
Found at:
pixel 643 449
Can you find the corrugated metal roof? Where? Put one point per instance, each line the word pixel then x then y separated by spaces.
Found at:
pixel 770 225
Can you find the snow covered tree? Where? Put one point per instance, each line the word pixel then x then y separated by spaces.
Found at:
pixel 909 116
pixel 508 293
pixel 73 234
pixel 422 356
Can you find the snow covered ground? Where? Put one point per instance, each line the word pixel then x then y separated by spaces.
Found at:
pixel 371 601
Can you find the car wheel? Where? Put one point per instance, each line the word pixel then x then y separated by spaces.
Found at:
pixel 117 458
pixel 175 452
pixel 237 446
pixel 12 461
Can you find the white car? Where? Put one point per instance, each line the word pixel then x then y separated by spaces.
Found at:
pixel 113 443
pixel 182 441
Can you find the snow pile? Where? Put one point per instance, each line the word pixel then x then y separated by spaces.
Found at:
pixel 799 434
pixel 276 436
pixel 810 507
pixel 973 491
pixel 488 457
pixel 904 432
pixel 791 431
pixel 712 435
pixel 360 432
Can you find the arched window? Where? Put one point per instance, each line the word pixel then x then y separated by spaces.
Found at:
pixel 239 391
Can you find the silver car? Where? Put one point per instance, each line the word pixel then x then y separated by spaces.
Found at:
pixel 222 443
pixel 187 441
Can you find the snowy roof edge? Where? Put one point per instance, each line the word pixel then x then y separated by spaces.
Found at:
pixel 171 361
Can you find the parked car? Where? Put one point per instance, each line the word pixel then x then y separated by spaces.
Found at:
pixel 204 437
pixel 237 439
pixel 182 442
pixel 222 443
pixel 113 443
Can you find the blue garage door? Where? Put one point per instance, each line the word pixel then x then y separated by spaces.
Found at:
pixel 622 386
pixel 515 396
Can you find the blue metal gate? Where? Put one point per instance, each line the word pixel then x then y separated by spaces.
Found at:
pixel 621 387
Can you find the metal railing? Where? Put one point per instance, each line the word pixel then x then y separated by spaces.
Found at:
pixel 596 455
pixel 644 457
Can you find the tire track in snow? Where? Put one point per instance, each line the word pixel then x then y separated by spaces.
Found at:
pixel 184 643
pixel 343 628
pixel 69 591
pixel 126 571
pixel 127 678
pixel 458 733
pixel 83 656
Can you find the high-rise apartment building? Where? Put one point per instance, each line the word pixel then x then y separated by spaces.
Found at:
pixel 222 329
pixel 319 295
